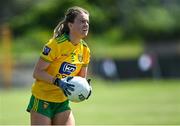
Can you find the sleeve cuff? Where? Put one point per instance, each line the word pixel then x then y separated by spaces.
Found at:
pixel 84 65
pixel 45 59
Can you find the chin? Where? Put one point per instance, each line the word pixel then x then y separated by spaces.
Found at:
pixel 84 35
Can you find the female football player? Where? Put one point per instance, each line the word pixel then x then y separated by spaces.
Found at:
pixel 66 54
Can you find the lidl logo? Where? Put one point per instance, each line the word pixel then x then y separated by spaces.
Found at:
pixel 67 68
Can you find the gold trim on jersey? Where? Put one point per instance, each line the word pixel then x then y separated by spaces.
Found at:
pixel 35 105
pixel 62 38
pixel 45 59
pixel 84 43
pixel 80 57
pixel 84 65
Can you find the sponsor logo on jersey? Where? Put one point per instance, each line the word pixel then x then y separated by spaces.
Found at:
pixel 73 56
pixel 67 68
pixel 64 54
pixel 46 50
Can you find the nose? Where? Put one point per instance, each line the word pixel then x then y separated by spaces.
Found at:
pixel 86 23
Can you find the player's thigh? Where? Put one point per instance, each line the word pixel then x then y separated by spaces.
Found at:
pixel 64 118
pixel 39 119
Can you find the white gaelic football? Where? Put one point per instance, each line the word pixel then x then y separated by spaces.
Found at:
pixel 82 89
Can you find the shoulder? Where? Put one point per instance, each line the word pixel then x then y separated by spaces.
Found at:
pixel 85 46
pixel 84 43
pixel 61 39
pixel 57 41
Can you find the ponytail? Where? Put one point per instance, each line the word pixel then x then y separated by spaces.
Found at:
pixel 61 28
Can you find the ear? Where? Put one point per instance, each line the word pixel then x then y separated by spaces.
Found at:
pixel 70 25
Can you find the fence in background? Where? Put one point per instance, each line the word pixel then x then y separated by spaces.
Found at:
pixel 165 67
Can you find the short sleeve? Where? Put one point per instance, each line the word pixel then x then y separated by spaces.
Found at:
pixel 49 51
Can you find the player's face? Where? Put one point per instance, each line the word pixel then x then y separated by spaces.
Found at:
pixel 80 26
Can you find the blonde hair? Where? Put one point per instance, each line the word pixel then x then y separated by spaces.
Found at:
pixel 70 15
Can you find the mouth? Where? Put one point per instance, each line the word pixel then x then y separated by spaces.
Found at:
pixel 84 29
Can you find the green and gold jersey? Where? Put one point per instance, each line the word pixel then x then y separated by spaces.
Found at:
pixel 65 59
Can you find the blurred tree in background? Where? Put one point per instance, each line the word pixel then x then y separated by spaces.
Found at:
pixel 112 22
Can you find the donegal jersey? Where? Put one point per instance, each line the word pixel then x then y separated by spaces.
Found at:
pixel 65 59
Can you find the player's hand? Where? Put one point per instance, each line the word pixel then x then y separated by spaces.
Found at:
pixel 65 86
pixel 89 81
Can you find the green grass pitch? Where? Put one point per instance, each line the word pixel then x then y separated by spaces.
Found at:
pixel 145 102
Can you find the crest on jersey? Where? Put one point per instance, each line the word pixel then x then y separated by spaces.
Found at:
pixel 80 57
pixel 46 50
pixel 45 105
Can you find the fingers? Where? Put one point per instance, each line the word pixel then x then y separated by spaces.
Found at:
pixel 88 95
pixel 70 87
pixel 66 92
pixel 69 78
pixel 89 81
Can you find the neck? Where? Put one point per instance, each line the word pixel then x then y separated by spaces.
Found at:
pixel 74 40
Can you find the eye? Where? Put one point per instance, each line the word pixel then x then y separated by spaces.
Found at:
pixel 85 21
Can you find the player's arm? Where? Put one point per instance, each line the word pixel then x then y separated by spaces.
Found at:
pixel 40 73
pixel 83 72
pixel 86 58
